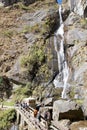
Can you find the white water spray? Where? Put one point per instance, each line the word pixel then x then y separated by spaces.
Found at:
pixel 62 64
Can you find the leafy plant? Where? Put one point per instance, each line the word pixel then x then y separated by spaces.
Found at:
pixel 22 92
pixel 33 60
pixel 6 117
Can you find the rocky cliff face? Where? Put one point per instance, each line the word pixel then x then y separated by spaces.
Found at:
pixel 28 54
pixel 27 48
pixel 78 7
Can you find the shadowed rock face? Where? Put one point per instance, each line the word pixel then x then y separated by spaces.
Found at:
pixel 67 110
pixel 27 2
pixel 85 12
pixel 9 2
pixel 5 87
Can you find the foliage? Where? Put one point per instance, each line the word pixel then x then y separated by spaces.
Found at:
pixel 6 117
pixel 26 29
pixel 38 91
pixel 21 6
pixel 36 55
pixel 8 103
pixel 49 24
pixel 8 33
pixel 33 60
pixel 5 87
pixel 43 73
pixel 79 101
pixel 84 23
pixel 72 92
pixel 22 92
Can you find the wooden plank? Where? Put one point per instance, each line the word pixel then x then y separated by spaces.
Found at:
pixel 29 118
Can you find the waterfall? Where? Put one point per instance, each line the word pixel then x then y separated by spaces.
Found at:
pixel 62 78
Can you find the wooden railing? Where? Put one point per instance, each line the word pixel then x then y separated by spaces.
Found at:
pixel 29 117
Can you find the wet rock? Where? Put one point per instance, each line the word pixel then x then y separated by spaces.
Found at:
pixel 67 110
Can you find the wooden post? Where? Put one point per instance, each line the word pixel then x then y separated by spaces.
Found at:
pixel 22 123
pixel 18 119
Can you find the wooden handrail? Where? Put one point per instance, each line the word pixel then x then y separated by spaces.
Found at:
pixel 31 118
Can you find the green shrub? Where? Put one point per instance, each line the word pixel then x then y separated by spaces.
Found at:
pixel 8 33
pixel 22 92
pixel 34 59
pixel 6 117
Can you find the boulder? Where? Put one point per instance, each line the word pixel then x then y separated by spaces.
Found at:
pixel 63 109
pixel 81 125
pixel 48 102
pixel 61 125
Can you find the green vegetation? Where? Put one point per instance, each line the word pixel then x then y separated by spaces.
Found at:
pixel 6 117
pixel 43 73
pixel 84 23
pixel 5 87
pixel 49 24
pixel 19 93
pixel 79 101
pixel 8 33
pixel 23 7
pixel 72 92
pixel 33 60
pixel 22 92
pixel 26 29
pixel 8 103
pixel 38 91
pixel 34 29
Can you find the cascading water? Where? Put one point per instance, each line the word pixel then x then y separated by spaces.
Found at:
pixel 62 78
